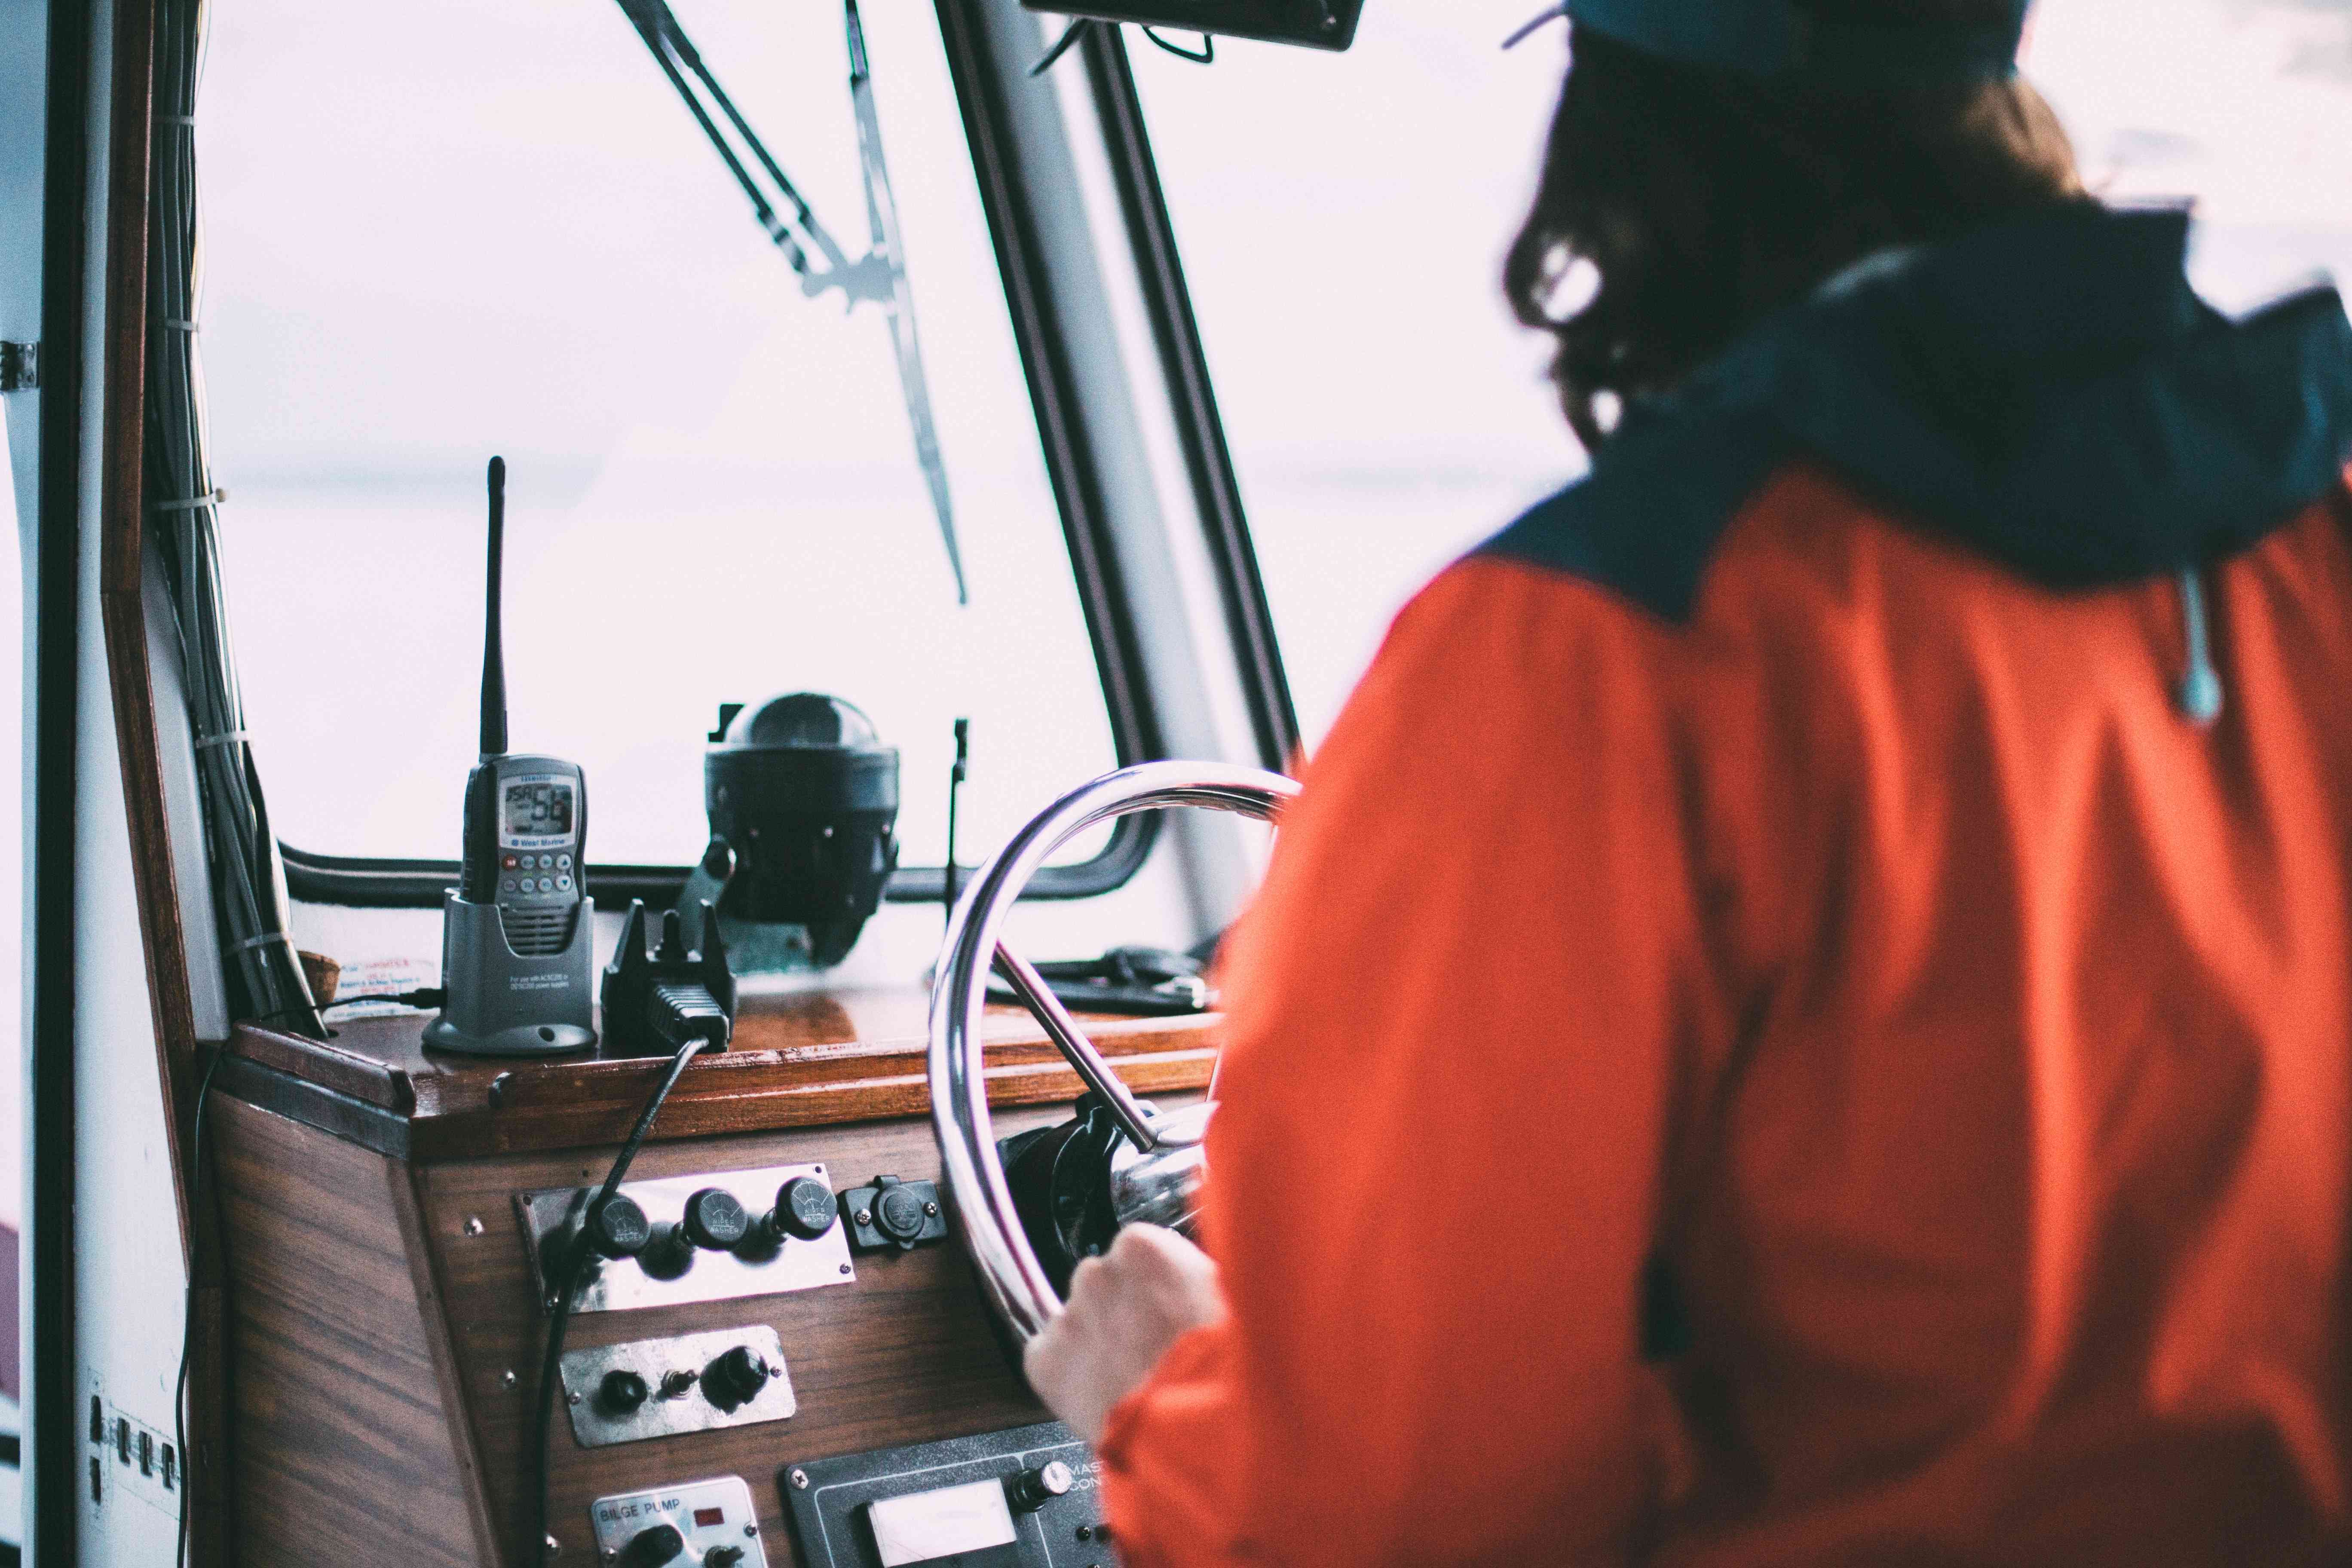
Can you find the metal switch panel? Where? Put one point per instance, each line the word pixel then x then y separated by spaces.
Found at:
pixel 690 1383
pixel 708 1523
pixel 953 1500
pixel 773 1258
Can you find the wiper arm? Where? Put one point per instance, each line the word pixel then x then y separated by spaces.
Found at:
pixel 879 276
pixel 882 214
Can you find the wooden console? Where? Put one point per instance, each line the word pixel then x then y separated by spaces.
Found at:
pixel 382 1336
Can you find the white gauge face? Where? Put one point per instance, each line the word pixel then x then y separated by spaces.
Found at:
pixel 923 1527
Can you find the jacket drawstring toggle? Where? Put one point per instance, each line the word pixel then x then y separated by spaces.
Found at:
pixel 2198 695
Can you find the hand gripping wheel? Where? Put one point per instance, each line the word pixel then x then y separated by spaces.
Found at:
pixel 1161 1159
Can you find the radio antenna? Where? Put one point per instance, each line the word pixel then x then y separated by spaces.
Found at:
pixel 494 659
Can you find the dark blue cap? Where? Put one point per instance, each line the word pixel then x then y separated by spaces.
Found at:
pixel 1779 38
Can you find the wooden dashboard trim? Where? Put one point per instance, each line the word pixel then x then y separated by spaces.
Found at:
pixel 479 1111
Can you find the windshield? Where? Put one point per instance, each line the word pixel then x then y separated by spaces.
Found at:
pixel 505 232
pixel 1343 221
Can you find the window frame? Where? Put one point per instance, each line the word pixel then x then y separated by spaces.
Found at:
pixel 1088 527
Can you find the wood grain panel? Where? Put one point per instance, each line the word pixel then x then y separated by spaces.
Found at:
pixel 800 1060
pixel 349 1449
pixel 906 1352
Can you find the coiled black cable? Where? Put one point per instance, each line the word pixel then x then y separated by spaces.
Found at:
pixel 568 1265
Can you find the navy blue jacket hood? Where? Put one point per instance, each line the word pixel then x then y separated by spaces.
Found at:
pixel 2051 392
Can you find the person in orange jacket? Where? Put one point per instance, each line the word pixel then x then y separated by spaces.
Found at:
pixel 1804 1013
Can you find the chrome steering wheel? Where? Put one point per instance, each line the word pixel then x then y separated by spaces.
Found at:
pixel 1160 1161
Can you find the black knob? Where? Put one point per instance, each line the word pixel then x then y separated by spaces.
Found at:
pixel 652 1548
pixel 723 1557
pixel 1033 1489
pixel 805 1208
pixel 735 1378
pixel 715 1220
pixel 898 1214
pixel 620 1392
pixel 617 1227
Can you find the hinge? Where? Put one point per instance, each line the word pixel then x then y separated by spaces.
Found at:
pixel 20 367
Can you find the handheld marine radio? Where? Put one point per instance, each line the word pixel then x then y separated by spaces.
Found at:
pixel 516 932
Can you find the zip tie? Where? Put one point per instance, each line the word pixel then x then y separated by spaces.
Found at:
pixel 180 326
pixel 211 498
pixel 265 939
pixel 187 120
pixel 225 738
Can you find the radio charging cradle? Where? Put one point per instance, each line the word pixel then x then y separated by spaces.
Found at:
pixel 509 1005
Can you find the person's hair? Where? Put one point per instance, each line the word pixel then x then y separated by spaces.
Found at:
pixel 1679 205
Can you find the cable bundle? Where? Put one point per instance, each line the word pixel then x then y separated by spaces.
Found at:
pixel 249 881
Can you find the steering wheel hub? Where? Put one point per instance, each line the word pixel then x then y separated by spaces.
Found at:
pixel 1156 1161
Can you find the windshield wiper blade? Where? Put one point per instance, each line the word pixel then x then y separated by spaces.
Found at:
pixel 879 276
pixel 882 215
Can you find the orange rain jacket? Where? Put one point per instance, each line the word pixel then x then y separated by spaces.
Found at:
pixel 1774 1034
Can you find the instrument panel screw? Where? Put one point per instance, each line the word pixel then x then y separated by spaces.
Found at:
pixel 571 1399
pixel 750 1529
pixel 865 1216
pixel 473 1225
pixel 800 1479
pixel 932 1210
pixel 844 1269
pixel 506 1378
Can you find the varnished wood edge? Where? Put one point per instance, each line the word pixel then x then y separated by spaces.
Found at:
pixel 734 1110
pixel 532 1083
pixel 121 601
pixel 130 681
pixel 423 1264
pixel 322 1062
pixel 353 1120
